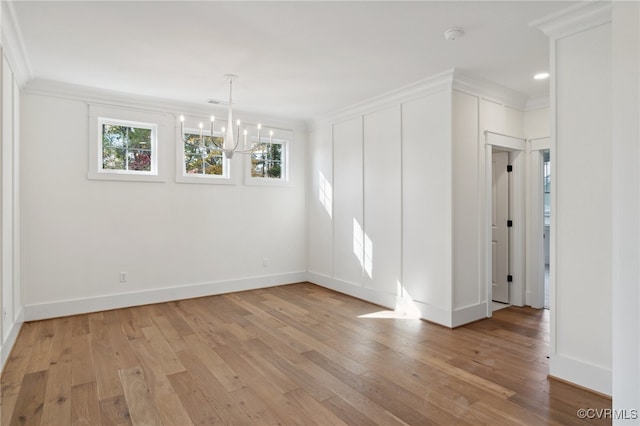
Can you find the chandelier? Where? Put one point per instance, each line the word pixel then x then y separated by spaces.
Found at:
pixel 230 142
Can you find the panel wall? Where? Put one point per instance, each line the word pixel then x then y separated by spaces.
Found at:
pixel 348 229
pixel 426 200
pixel 382 200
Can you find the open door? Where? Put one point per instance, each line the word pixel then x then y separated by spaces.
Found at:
pixel 499 228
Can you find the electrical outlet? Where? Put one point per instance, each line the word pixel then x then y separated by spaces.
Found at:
pixel 265 262
pixel 123 277
pixel 4 313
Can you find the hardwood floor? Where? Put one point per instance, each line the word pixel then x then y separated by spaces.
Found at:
pixel 296 354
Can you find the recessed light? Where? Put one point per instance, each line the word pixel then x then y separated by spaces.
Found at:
pixel 541 76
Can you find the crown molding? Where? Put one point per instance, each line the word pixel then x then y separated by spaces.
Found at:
pixel 433 84
pixel 574 19
pixel 13 45
pixel 92 95
pixel 489 90
pixel 537 102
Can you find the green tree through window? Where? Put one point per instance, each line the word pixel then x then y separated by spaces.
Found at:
pixel 126 148
pixel 201 156
pixel 266 160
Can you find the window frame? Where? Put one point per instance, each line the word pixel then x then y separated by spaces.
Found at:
pixel 100 115
pixel 226 178
pixel 284 179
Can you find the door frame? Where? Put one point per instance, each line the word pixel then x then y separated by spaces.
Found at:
pixel 535 223
pixel 517 152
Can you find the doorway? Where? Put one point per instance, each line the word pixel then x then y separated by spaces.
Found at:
pixel 546 188
pixel 499 228
pixel 508 262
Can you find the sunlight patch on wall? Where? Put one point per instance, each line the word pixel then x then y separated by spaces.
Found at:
pixel 325 194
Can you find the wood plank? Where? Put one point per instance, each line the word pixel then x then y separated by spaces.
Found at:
pixel 82 368
pixel 138 397
pixel 85 407
pixel 57 401
pixel 28 409
pixel 193 400
pixel 114 411
pixel 169 406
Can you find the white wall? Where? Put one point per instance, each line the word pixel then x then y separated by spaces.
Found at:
pixel 173 239
pixel 473 114
pixel 537 123
pixel 10 236
pixel 626 207
pixel 582 231
pixel 391 216
pixel 427 205
pixel 407 173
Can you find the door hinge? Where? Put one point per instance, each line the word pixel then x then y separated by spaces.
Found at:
pixel 509 168
pixel 509 278
pixel 509 223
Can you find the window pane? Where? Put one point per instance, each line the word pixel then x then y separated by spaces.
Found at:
pixel 139 138
pixel 201 155
pixel 139 160
pixel 113 158
pixel 126 148
pixel 266 160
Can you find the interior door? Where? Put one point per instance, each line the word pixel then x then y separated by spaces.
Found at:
pixel 499 229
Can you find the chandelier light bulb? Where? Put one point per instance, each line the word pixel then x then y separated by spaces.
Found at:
pixel 213 119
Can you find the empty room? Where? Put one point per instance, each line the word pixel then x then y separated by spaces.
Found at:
pixel 320 212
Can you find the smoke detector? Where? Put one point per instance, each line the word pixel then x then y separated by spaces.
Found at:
pixel 453 33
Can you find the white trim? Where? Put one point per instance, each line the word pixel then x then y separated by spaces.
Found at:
pixel 13 45
pixel 581 373
pixel 285 167
pixel 467 314
pixel 149 104
pixel 517 197
pixel 485 89
pixel 535 223
pixel 390 301
pixel 227 177
pixel 98 113
pixel 7 345
pixel 144 297
pixel 574 19
pixel 418 89
pixel 537 102
pixel 386 300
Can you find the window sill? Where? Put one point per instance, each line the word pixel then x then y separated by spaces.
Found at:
pixel 125 177
pixel 207 180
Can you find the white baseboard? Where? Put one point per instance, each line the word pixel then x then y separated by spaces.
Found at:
pixel 146 297
pixel 386 300
pixel 7 345
pixel 581 373
pixel 462 316
pixel 390 301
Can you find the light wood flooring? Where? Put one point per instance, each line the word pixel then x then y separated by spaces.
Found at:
pixel 296 354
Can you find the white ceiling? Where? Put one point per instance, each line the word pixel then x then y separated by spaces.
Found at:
pixel 295 60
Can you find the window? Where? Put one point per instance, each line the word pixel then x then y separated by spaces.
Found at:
pixel 124 143
pixel 201 156
pixel 127 147
pixel 199 159
pixel 266 160
pixel 268 163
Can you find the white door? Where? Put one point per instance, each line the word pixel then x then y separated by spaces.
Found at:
pixel 499 229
